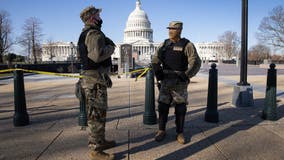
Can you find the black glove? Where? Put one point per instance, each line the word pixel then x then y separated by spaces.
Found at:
pixel 159 85
pixel 109 41
pixel 159 76
pixel 108 80
pixel 183 77
pixel 79 90
pixel 158 72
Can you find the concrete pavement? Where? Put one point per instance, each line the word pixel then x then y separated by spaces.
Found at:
pixel 54 133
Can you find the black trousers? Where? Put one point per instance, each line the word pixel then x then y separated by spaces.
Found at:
pixel 180 112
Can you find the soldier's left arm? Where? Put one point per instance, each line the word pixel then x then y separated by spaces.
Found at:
pixel 98 50
pixel 194 61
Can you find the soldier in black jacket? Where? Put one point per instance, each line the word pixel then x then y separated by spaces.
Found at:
pixel 174 63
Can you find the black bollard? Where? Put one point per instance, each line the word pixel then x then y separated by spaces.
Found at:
pixel 82 119
pixel 150 116
pixel 270 106
pixel 211 114
pixel 21 117
pixel 82 115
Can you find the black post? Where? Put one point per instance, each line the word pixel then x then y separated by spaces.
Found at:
pixel 211 114
pixel 21 117
pixel 133 63
pixel 82 119
pixel 243 91
pixel 149 116
pixel 244 43
pixel 270 109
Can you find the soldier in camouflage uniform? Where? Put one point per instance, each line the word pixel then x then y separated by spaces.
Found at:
pixel 174 63
pixel 94 52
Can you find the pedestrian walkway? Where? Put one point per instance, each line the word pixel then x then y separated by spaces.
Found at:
pixel 54 133
pixel 258 87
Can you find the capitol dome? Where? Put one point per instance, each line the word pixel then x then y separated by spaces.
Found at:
pixel 138 26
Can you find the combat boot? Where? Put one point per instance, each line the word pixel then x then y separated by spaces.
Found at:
pixel 100 155
pixel 180 138
pixel 105 145
pixel 160 136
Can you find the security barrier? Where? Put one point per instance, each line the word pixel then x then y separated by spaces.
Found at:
pixel 211 114
pixel 21 117
pixel 270 105
pixel 149 116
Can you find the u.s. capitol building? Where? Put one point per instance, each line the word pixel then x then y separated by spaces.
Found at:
pixel 139 34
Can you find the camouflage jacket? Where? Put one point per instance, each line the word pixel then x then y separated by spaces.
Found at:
pixel 99 49
pixel 99 46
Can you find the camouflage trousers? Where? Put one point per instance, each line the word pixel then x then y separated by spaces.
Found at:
pixel 173 91
pixel 96 106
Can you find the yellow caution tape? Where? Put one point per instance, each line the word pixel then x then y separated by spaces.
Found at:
pixel 6 70
pixel 51 73
pixel 68 75
pixel 138 70
pixel 146 69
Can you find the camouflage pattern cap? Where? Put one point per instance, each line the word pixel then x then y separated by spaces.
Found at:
pixel 175 25
pixel 87 12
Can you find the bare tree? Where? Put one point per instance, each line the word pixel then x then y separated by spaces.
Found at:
pixel 276 57
pixel 31 38
pixel 259 53
pixel 272 28
pixel 38 52
pixel 5 31
pixel 231 43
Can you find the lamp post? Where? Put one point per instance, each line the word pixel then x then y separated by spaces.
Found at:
pixel 243 92
pixel 244 43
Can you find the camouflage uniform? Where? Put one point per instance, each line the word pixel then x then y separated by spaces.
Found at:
pixel 174 73
pixel 95 50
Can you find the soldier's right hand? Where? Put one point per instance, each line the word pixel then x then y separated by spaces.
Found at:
pixel 183 77
pixel 109 42
pixel 159 76
pixel 111 47
pixel 159 85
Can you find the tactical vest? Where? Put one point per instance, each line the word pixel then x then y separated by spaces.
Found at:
pixel 172 55
pixel 89 64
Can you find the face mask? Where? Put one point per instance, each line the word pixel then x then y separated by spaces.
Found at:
pixel 100 22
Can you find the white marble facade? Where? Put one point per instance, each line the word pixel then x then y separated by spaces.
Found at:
pixel 59 51
pixel 210 51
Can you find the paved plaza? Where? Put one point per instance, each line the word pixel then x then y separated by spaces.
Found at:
pixel 54 134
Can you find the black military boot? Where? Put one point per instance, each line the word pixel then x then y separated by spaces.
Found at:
pixel 163 118
pixel 160 135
